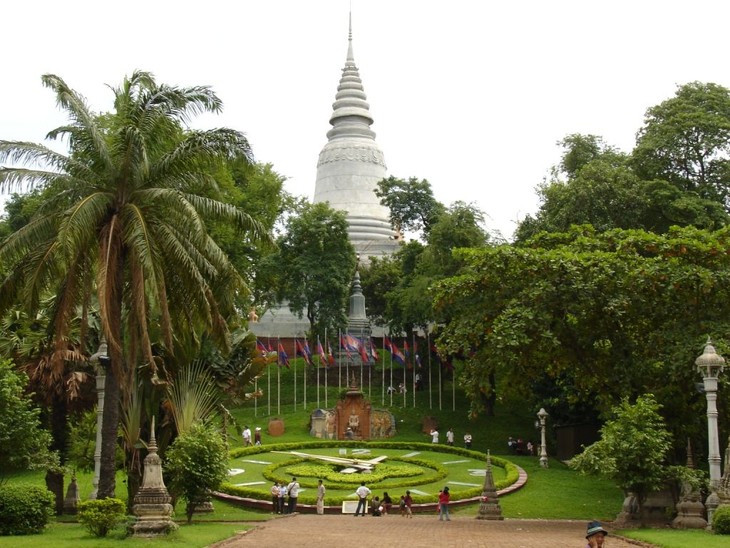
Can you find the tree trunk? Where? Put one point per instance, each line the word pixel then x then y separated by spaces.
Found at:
pixel 109 430
pixel 54 483
pixel 134 480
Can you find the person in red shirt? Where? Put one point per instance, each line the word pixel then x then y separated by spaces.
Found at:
pixel 444 505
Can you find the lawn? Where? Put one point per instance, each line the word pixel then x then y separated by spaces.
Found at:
pixel 678 538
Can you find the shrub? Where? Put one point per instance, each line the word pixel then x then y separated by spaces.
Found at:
pixel 101 516
pixel 721 520
pixel 197 463
pixel 24 510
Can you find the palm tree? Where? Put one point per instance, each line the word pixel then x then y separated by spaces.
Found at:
pixel 125 217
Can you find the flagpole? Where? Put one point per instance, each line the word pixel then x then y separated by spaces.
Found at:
pixel 268 378
pixel 441 366
pixel 327 365
pixel 413 361
pixel 430 384
pixel 304 380
pixel 255 398
pixel 295 375
pixel 361 366
pixel 382 372
pixel 339 361
pixel 391 374
pixel 405 374
pixel 453 389
pixel 319 345
pixel 278 376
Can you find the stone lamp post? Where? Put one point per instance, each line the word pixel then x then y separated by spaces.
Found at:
pixel 711 364
pixel 542 416
pixel 100 360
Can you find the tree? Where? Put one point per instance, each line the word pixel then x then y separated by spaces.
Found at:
pixel 127 220
pixel 633 449
pixel 685 140
pixel 314 267
pixel 197 463
pixel 411 203
pixel 599 316
pixel 23 443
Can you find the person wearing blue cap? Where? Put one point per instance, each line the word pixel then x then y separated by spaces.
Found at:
pixel 595 534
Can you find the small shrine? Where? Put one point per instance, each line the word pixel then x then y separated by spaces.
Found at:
pixel 352 414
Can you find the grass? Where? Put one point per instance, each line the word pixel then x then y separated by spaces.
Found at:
pixel 62 535
pixel 678 538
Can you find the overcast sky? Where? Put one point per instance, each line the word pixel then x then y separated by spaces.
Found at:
pixel 471 95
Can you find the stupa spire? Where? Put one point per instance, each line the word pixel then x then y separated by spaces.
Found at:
pixel 351 164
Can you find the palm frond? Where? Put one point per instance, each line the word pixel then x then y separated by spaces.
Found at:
pixel 193 396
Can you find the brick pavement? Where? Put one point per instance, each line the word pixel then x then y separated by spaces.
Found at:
pixel 337 531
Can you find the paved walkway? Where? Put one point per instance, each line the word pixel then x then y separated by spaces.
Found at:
pixel 420 531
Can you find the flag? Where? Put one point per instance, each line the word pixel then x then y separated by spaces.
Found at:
pixel 308 352
pixel 283 358
pixel 261 347
pixel 374 350
pixel 397 354
pixel 321 354
pixel 299 349
pixel 363 352
pixel 330 355
pixel 406 349
pixel 387 345
pixel 343 345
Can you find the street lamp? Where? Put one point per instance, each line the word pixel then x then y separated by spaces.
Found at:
pixel 100 360
pixel 542 415
pixel 711 364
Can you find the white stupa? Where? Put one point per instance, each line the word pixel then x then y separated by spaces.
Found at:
pixel 351 164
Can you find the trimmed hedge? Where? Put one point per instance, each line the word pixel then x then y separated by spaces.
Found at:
pixel 512 472
pixel 102 515
pixel 721 520
pixel 24 509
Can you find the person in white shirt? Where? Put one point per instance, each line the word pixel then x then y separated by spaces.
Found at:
pixel 275 498
pixel 449 437
pixel 320 497
pixel 434 436
pixel 246 436
pixel 362 493
pixel 467 440
pixel 293 490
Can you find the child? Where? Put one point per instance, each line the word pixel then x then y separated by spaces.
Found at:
pixel 409 502
pixel 402 505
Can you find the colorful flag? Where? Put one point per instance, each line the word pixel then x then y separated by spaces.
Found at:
pixel 261 347
pixel 374 350
pixel 283 358
pixel 387 345
pixel 343 345
pixel 308 352
pixel 397 354
pixel 406 349
pixel 299 349
pixel 363 352
pixel 330 355
pixel 321 354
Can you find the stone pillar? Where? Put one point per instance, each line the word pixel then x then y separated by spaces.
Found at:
pixel 152 502
pixel 489 507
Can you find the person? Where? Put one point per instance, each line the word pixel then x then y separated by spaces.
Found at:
pixel 408 503
pixel 391 389
pixel 320 497
pixel 377 508
pixel 467 440
pixel 362 493
pixel 349 434
pixel 275 498
pixel 511 445
pixel 246 436
pixel 293 490
pixel 595 534
pixel 450 437
pixel 387 503
pixel 444 505
pixel 419 382
pixel 530 447
pixel 434 436
pixel 402 506
pixel 402 388
pixel 257 436
pixel 282 496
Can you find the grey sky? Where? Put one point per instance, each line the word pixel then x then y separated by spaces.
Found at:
pixel 471 95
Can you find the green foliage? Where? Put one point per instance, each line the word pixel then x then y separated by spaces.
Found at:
pixel 197 463
pixel 23 443
pixel 721 520
pixel 82 441
pixel 411 203
pixel 632 450
pixel 193 396
pixel 101 516
pixel 314 266
pixel 24 509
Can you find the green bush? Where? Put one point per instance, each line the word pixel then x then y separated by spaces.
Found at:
pixel 721 520
pixel 24 509
pixel 101 516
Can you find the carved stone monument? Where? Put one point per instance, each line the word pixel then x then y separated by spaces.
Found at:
pixel 690 510
pixel 70 503
pixel 489 507
pixel 152 502
pixel 353 412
